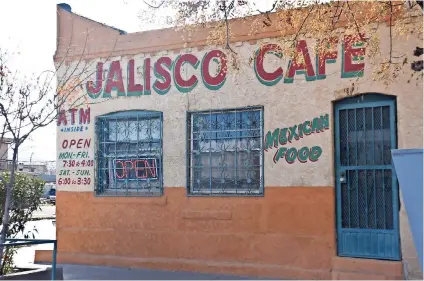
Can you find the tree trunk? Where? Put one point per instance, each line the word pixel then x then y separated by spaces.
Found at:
pixel 7 203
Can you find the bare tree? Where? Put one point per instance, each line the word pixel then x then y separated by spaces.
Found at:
pixel 28 104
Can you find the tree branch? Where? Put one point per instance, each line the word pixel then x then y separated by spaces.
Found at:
pixel 337 16
pixel 303 23
pixel 153 6
pixel 354 20
pixel 274 5
pixel 227 27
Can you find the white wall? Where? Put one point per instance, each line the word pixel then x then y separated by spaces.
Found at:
pixel 284 105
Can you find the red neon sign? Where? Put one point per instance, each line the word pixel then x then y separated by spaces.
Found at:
pixel 132 169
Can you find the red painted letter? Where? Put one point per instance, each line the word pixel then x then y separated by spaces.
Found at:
pixel 301 65
pixel 65 144
pixel 328 54
pixel 133 89
pixel 84 116
pixel 163 73
pixel 94 91
pixel 62 118
pixel 147 89
pixel 214 83
pixel 353 51
pixel 114 80
pixel 267 78
pixel 73 142
pixel 87 143
pixel 79 143
pixel 72 110
pixel 182 85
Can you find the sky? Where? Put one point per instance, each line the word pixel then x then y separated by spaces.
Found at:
pixel 28 32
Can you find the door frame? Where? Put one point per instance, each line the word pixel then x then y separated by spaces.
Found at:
pixel 369 99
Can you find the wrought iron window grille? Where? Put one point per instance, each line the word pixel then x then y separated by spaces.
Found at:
pixel 129 154
pixel 225 152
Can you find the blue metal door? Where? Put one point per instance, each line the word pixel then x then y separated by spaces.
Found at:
pixel 367 189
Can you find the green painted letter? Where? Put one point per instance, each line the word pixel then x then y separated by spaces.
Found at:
pixel 316 125
pixel 307 128
pixel 303 154
pixel 315 153
pixel 271 139
pixel 283 136
pixel 325 122
pixel 279 153
pixel 291 155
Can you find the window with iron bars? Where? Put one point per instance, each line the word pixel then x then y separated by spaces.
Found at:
pixel 225 152
pixel 129 153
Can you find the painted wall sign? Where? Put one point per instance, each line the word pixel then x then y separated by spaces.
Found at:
pixel 353 57
pixel 77 172
pixel 73 155
pixel 294 133
pixel 74 129
pixel 78 163
pixel 75 166
pixel 211 69
pixel 303 155
pixel 76 143
pixel 164 71
pixel 74 181
pixel 77 117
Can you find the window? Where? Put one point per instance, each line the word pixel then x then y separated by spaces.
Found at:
pixel 129 153
pixel 225 153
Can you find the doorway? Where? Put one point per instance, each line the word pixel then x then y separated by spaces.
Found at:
pixel 366 183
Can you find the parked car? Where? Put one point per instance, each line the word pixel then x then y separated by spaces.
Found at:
pixel 52 196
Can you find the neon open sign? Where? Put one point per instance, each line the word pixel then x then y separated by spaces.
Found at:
pixel 135 169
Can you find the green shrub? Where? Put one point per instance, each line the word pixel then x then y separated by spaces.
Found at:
pixel 26 198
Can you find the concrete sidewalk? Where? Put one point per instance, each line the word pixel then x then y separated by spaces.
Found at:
pixel 85 272
pixel 45 212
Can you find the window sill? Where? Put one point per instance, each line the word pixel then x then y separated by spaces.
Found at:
pixel 226 194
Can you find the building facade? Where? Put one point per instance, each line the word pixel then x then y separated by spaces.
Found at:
pixel 4 153
pixel 32 168
pixel 276 170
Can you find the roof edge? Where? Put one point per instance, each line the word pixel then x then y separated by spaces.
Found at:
pixel 66 7
pixel 165 39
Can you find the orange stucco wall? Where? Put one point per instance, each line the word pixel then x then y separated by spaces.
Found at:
pixel 288 233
